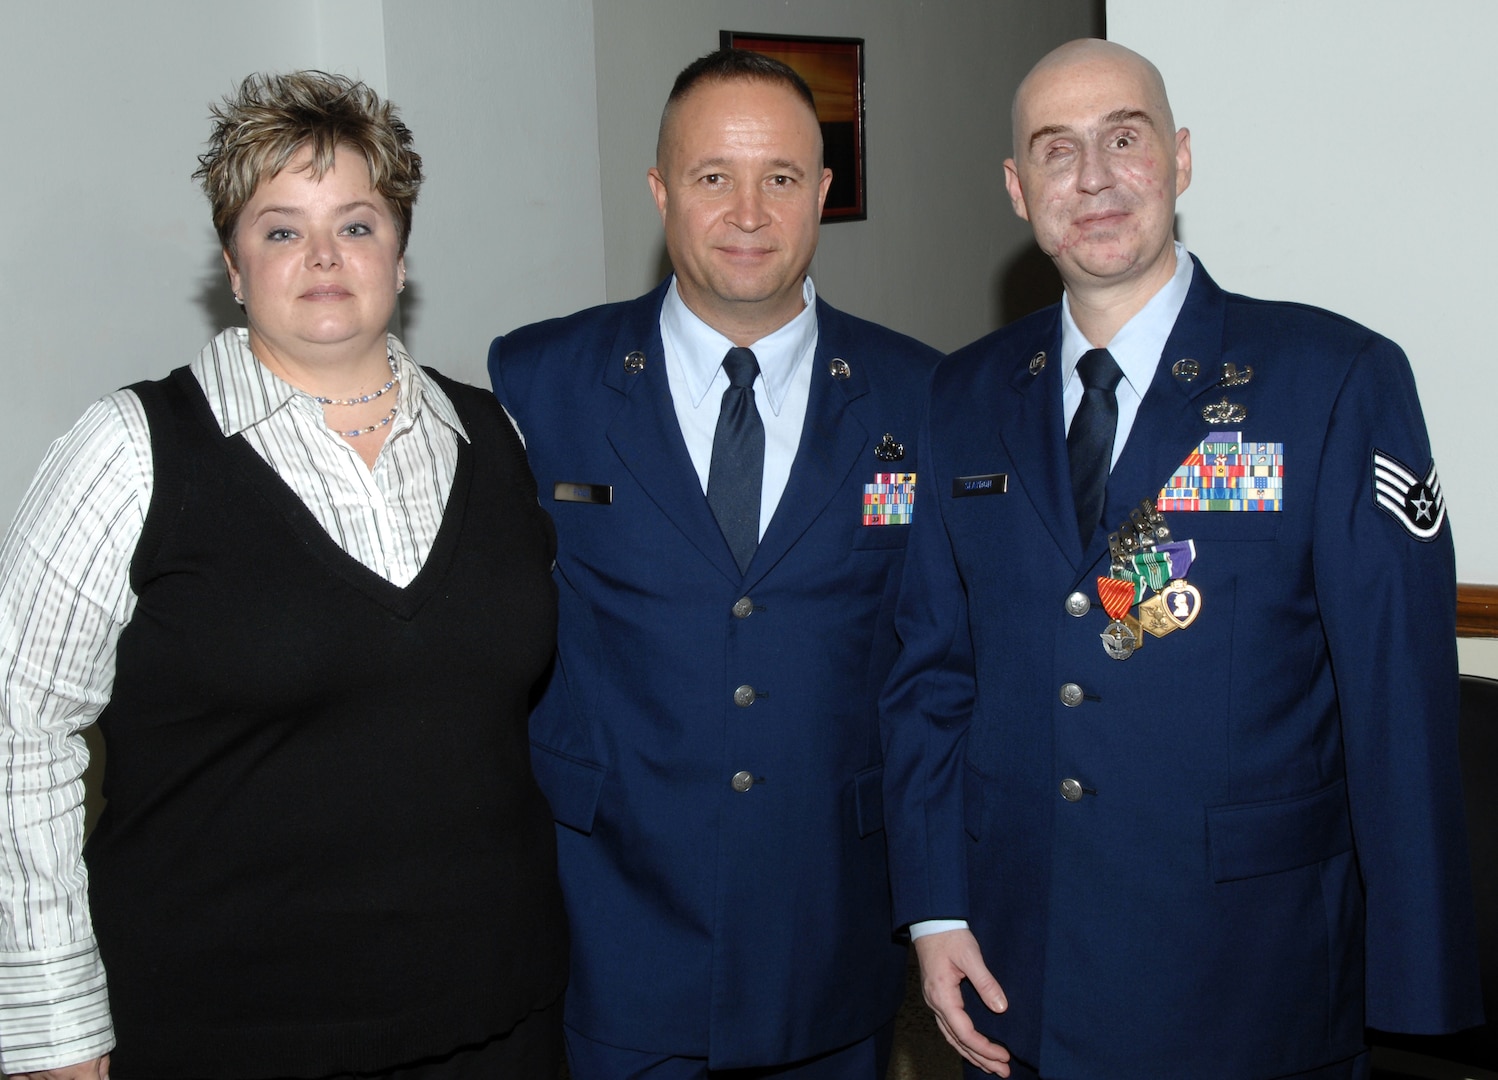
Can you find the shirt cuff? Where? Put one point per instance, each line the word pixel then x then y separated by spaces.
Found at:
pixel 935 926
pixel 54 1008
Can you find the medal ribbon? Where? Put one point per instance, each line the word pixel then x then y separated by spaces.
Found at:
pixel 1118 595
pixel 1136 580
pixel 1153 568
pixel 1181 554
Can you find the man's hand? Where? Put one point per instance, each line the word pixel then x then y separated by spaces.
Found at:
pixel 946 959
pixel 96 1069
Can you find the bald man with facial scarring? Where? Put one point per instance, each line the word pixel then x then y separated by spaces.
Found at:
pixel 1171 743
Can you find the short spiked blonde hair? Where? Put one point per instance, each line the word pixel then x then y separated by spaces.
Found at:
pixel 259 129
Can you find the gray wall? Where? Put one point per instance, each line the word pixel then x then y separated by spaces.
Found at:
pixel 536 121
pixel 109 267
pixel 941 256
pixel 502 99
pixel 109 270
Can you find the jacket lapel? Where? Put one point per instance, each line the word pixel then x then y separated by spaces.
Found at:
pixel 1030 425
pixel 647 437
pixel 1169 424
pixel 832 438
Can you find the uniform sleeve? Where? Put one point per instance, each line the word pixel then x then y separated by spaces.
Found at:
pixel 1386 589
pixel 64 598
pixel 925 710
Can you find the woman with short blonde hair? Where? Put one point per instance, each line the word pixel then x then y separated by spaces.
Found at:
pixel 303 585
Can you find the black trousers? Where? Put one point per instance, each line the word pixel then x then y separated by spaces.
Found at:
pixel 1355 1068
pixel 532 1050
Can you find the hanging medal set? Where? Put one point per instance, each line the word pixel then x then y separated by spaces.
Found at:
pixel 1145 559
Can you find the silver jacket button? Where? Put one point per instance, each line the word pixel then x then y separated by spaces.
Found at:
pixel 1078 605
pixel 743 608
pixel 743 781
pixel 1071 790
pixel 743 697
pixel 1071 695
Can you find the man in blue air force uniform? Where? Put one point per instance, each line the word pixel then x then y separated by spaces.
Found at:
pixel 730 464
pixel 1171 744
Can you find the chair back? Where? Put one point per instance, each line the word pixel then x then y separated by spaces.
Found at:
pixel 1476 1048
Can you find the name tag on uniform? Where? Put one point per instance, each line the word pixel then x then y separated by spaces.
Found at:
pixel 986 484
pixel 597 494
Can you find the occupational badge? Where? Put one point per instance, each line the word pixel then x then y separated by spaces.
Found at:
pixel 1224 412
pixel 889 450
pixel 1233 375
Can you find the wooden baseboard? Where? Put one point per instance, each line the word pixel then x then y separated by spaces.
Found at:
pixel 1476 610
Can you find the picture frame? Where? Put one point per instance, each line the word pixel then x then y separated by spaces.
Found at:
pixel 833 68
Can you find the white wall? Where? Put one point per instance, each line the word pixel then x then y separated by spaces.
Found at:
pixel 109 267
pixel 941 256
pixel 509 228
pixel 1478 656
pixel 1344 157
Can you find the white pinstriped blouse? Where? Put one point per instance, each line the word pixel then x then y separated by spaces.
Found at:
pixel 64 598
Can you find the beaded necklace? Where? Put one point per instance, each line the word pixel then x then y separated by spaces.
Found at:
pixel 393 384
pixel 372 427
pixel 394 378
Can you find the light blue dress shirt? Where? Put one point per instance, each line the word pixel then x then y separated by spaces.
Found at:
pixel 1136 348
pixel 694 371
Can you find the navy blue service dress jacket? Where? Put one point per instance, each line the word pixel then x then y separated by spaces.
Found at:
pixel 1262 848
pixel 709 740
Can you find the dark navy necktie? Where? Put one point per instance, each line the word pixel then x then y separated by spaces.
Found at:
pixel 736 476
pixel 1089 443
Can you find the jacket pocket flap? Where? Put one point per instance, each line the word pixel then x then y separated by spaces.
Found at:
pixel 972 802
pixel 880 537
pixel 570 785
pixel 1250 839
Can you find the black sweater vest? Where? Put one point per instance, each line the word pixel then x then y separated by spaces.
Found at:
pixel 323 849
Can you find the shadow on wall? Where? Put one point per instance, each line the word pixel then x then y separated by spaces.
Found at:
pixel 1027 283
pixel 216 298
pixel 662 261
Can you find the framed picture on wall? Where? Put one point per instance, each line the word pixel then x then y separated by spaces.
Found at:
pixel 833 68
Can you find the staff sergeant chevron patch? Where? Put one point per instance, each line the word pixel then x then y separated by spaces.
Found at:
pixel 1416 504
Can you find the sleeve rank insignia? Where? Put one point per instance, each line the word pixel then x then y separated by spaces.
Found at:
pixel 1415 502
